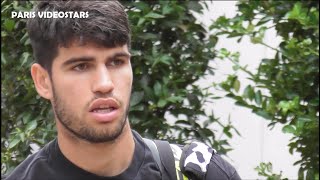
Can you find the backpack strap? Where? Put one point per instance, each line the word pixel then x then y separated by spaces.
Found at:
pixel 162 153
pixel 177 163
pixel 167 159
pixel 155 153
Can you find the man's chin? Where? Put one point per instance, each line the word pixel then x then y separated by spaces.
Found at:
pixel 95 136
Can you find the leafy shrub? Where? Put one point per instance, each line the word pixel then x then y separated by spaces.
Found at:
pixel 286 87
pixel 170 52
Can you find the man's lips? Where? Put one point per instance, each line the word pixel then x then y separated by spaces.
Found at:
pixel 104 103
pixel 104 110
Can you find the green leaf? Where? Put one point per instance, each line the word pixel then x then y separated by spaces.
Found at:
pixel 194 5
pixel 291 105
pixel 236 85
pixel 258 97
pixel 31 125
pixel 304 119
pixel 184 122
pixel 226 131
pixel 25 57
pixel 141 5
pixel 22 136
pixel 149 36
pixel 4 34
pixel 13 143
pixel 138 107
pixel 264 114
pixel 224 52
pixel 310 174
pixel 264 20
pixel 154 15
pixel 296 12
pixel 9 24
pixel 167 9
pixel 269 167
pixel 141 21
pixel 157 89
pixel 248 92
pixel 136 98
pixel 165 59
pixel 3 58
pixel 175 99
pixel 162 103
pixel 26 117
pixel 289 129
pixel 301 174
pixel 24 38
pixel 316 176
pixel 256 40
pixel 284 106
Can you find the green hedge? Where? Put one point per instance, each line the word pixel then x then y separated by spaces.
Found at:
pixel 170 52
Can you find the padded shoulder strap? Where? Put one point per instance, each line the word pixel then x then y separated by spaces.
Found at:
pixel 155 153
pixel 167 159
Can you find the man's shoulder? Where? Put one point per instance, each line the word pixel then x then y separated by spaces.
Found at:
pixel 219 166
pixel 32 164
pixel 203 161
pixel 195 160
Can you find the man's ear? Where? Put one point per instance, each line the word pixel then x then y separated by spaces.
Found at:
pixel 41 81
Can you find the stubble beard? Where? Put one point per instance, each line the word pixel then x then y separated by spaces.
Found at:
pixel 82 130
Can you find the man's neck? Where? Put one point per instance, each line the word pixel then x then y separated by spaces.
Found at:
pixel 104 159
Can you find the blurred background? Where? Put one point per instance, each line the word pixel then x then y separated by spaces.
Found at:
pixel 242 76
pixel 256 143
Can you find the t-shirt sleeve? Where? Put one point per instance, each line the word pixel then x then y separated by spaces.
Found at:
pixel 219 168
pixel 199 161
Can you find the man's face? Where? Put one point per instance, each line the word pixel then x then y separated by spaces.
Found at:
pixel 91 89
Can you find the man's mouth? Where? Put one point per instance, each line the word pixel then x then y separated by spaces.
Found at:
pixel 104 110
pixel 104 105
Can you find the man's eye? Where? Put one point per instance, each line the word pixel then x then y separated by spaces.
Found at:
pixel 117 62
pixel 81 67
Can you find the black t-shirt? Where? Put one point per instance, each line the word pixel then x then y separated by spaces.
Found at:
pixel 50 164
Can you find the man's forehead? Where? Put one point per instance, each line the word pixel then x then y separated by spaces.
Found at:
pixel 91 47
pixel 79 43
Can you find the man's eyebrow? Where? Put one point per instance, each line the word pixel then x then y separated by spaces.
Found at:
pixel 78 59
pixel 89 58
pixel 120 54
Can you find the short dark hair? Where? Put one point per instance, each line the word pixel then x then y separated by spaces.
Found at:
pixel 107 25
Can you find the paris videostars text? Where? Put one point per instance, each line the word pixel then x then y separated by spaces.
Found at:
pixel 49 14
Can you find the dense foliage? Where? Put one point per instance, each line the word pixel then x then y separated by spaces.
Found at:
pixel 170 52
pixel 285 88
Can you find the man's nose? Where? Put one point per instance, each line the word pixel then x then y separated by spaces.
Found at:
pixel 103 81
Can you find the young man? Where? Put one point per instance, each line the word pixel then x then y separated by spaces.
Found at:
pixel 83 67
